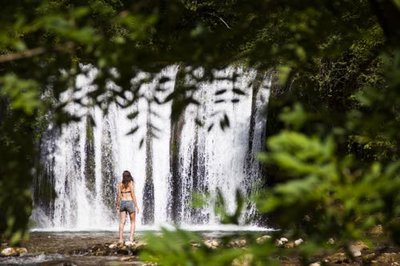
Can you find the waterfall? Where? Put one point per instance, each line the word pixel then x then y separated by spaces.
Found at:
pixel 169 160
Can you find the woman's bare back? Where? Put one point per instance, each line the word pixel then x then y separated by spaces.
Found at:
pixel 126 193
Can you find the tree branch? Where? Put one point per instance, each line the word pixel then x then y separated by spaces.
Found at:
pixel 221 19
pixel 24 54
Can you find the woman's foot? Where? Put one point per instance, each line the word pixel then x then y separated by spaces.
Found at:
pixel 121 242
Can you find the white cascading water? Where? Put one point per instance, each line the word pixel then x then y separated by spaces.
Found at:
pixel 221 156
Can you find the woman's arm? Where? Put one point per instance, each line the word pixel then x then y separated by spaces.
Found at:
pixel 118 201
pixel 134 196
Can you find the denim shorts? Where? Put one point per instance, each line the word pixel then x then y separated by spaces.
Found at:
pixel 127 206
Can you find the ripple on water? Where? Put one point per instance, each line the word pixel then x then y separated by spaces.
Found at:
pixel 31 259
pixel 60 260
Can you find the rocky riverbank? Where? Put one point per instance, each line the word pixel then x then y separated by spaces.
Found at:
pixel 101 248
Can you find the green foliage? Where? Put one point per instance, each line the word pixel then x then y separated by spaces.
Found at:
pixel 16 155
pixel 23 94
pixel 220 208
pixel 325 196
pixel 184 248
pixel 331 56
pixel 180 247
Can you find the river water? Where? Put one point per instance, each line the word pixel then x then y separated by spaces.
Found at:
pixel 53 248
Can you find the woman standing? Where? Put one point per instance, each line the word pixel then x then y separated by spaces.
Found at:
pixel 126 204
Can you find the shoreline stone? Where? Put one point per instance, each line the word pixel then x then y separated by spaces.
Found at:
pixel 11 251
pixel 110 249
pixel 341 255
pixel 281 242
pixel 298 242
pixel 211 243
pixel 355 248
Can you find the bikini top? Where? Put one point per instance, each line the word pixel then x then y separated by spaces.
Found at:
pixel 125 191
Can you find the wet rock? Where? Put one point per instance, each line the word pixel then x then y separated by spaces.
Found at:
pixel 337 258
pixel 21 251
pixel 315 264
pixel 263 239
pixel 237 243
pixel 139 246
pixel 129 243
pixel 331 241
pixel 289 244
pixel 9 252
pixel 113 245
pixel 124 251
pixel 211 243
pixel 355 248
pixel 13 251
pixel 387 258
pixel 281 241
pixel 111 249
pixel 369 257
pixel 356 253
pixel 298 242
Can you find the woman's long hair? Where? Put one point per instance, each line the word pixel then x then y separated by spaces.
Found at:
pixel 126 178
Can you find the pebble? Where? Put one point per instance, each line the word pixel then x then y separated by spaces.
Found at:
pixel 282 241
pixel 237 243
pixel 331 241
pixel 289 244
pixel 356 253
pixel 211 243
pixel 113 245
pixel 337 258
pixel 315 264
pixel 298 242
pixel 128 243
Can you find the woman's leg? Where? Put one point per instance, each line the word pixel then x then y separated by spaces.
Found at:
pixel 132 216
pixel 122 218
